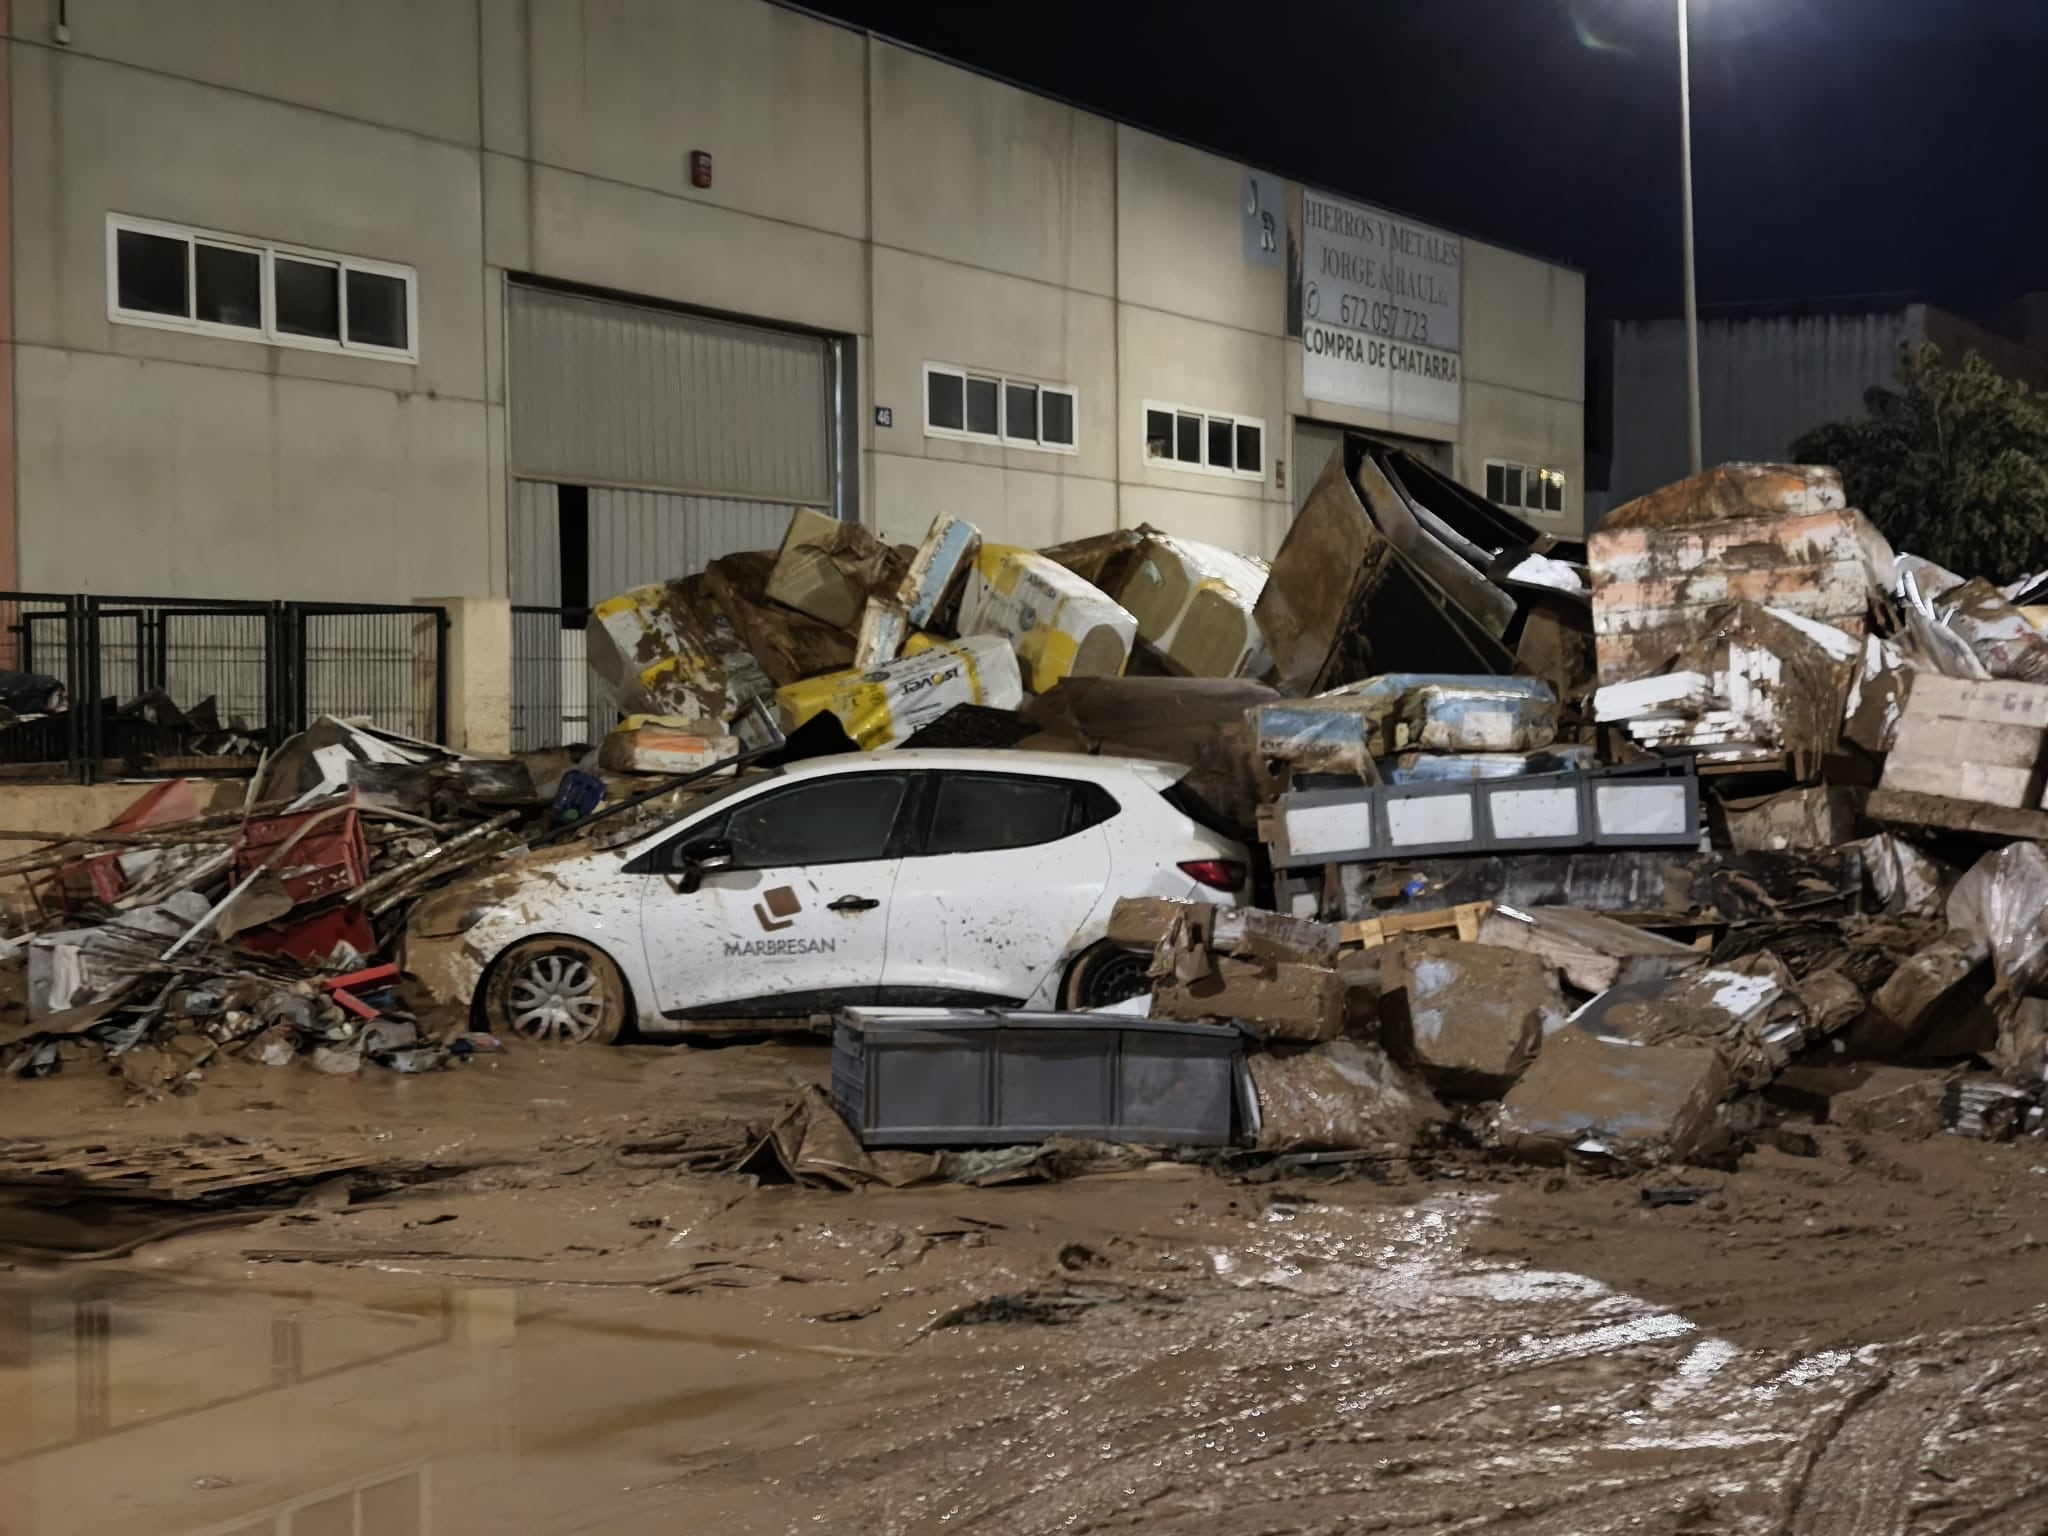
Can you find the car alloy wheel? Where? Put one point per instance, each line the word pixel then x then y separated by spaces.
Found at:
pixel 1108 974
pixel 557 992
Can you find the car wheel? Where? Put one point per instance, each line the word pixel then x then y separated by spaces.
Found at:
pixel 556 992
pixel 1105 974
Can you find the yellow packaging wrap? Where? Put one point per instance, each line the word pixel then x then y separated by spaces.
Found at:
pixel 1058 624
pixel 667 650
pixel 885 705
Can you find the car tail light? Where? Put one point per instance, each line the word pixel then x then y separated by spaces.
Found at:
pixel 1217 874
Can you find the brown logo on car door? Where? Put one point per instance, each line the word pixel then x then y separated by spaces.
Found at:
pixel 779 903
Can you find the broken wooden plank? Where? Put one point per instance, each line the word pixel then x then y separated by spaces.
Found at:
pixel 1372 932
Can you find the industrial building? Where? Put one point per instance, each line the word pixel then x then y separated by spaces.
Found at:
pixel 1768 373
pixel 538 299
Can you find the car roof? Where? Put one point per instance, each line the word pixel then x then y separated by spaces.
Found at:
pixel 1060 765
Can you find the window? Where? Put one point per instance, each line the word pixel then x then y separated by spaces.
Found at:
pixel 152 273
pixel 1020 412
pixel 980 408
pixel 979 812
pixel 1181 437
pixel 827 821
pixel 1524 487
pixel 228 285
pixel 308 298
pixel 982 397
pixel 220 285
pixel 1056 418
pixel 945 401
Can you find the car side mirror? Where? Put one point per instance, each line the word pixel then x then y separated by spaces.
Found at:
pixel 700 860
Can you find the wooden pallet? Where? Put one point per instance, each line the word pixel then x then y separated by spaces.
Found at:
pixel 161 1170
pixel 1372 932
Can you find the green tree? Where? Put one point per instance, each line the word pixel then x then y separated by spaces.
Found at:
pixel 1952 465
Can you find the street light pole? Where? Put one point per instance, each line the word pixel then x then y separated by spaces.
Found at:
pixel 1692 303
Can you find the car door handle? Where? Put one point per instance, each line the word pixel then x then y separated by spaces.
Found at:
pixel 852 904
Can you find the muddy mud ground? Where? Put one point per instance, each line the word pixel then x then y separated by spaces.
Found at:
pixel 555 1338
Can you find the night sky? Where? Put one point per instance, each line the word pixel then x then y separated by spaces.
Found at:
pixel 1841 146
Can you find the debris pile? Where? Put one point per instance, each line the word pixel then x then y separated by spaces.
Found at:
pixel 1738 796
pixel 175 939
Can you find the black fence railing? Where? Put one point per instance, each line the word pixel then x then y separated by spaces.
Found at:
pixel 553 704
pixel 177 685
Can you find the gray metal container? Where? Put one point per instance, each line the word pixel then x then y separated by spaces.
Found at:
pixel 972 1077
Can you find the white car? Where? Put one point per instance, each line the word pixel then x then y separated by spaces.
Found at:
pixel 910 877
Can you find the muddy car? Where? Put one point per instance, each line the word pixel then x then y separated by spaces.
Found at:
pixel 915 877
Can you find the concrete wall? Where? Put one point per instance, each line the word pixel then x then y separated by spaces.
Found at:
pixel 859 189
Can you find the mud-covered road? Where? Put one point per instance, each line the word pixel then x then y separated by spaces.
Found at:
pixel 549 1337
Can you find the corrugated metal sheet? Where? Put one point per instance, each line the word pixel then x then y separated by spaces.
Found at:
pixel 641 536
pixel 1763 381
pixel 536 545
pixel 636 537
pixel 608 393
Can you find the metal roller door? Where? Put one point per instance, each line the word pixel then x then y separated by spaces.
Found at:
pixel 682 437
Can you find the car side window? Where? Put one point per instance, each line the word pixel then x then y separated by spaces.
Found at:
pixel 825 821
pixel 979 812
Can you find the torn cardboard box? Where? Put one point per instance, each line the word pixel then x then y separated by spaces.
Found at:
pixel 1059 626
pixel 1469 1017
pixel 828 568
pixel 1281 1001
pixel 1637 1105
pixel 1595 952
pixel 1340 1097
pixel 668 650
pixel 1819 816
pixel 1985 742
pixel 788 645
pixel 1193 604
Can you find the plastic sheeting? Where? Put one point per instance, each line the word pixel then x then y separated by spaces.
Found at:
pixel 884 706
pixel 1058 625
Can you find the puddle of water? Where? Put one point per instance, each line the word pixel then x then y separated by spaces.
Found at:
pixel 132 1406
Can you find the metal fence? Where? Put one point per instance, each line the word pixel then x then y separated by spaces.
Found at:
pixel 170 685
pixel 553 703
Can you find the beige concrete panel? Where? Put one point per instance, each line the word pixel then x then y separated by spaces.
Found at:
pixel 151 477
pixel 1008 506
pixel 980 172
pixel 1526 429
pixel 1524 323
pixel 935 311
pixel 1243 523
pixel 1211 368
pixel 92 139
pixel 640 242
pixel 408 64
pixel 1180 237
pixel 627 89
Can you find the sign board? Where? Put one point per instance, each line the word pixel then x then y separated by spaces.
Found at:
pixel 1262 217
pixel 1380 310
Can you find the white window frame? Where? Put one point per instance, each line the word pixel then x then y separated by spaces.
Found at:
pixel 267 252
pixel 1538 471
pixel 1001 437
pixel 1204 467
